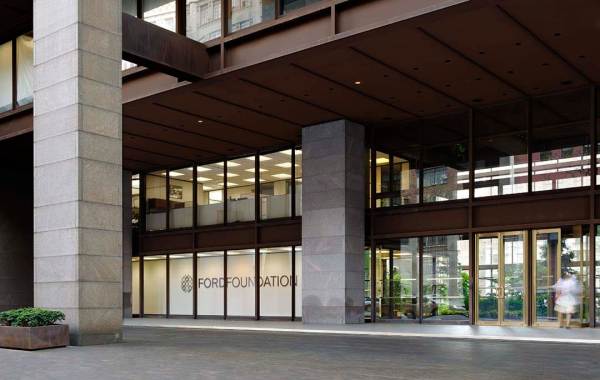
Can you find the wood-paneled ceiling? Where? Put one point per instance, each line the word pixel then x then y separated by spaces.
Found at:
pixel 471 55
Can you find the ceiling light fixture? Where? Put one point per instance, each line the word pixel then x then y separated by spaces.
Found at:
pixel 203 179
pixel 201 169
pixel 281 176
pixel 358 83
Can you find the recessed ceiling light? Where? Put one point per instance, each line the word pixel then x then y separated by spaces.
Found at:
pixel 357 82
pixel 281 176
pixel 260 170
pixel 285 165
pixel 201 169
pixel 203 179
pixel 200 121
pixel 252 180
pixel 228 175
pixel 174 174
pixel 230 184
pixel 229 164
pixel 206 187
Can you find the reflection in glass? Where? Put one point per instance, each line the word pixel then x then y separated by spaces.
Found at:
pixel 181 198
pixel 291 5
pixel 275 185
pixel 396 179
pixel 397 273
pixel 488 276
pixel 446 278
pixel 367 282
pixel 130 7
pixel 298 283
pixel 181 284
pixel 203 19
pixel 24 70
pixel 276 282
pixel 211 283
pixel 135 199
pixel 156 202
pixel 561 145
pixel 240 189
pixel 160 13
pixel 210 194
pixel 298 159
pixel 513 294
pixel 500 137
pixel 155 285
pixel 6 86
pixel 241 283
pixel 547 272
pixel 245 13
pixel 446 173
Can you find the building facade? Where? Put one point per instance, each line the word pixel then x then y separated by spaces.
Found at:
pixel 323 161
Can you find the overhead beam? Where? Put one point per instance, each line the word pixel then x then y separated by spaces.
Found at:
pixel 162 50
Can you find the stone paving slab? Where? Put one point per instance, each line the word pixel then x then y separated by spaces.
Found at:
pixel 525 334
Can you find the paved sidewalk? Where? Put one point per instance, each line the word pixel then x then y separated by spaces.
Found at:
pixel 525 334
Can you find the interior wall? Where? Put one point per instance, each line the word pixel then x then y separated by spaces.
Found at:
pixel 16 222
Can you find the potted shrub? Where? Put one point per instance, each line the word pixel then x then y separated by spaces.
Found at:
pixel 32 329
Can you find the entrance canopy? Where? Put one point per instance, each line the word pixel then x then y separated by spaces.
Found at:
pixel 470 55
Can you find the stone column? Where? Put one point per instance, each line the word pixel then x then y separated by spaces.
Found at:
pixel 78 165
pixel 333 222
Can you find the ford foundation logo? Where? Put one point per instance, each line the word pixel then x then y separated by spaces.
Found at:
pixel 187 283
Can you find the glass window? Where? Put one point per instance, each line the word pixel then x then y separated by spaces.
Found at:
pixel 241 282
pixel 397 276
pixel 396 179
pixel 24 70
pixel 155 285
pixel 298 282
pixel 130 7
pixel 245 13
pixel 156 202
pixel 275 185
pixel 561 145
pixel 135 286
pixel 210 194
pixel 135 199
pixel 211 283
pixel 203 19
pixel 181 284
pixel 126 65
pixel 240 190
pixel 181 198
pixel 446 159
pixel 446 278
pixel 161 13
pixel 367 282
pixel 6 82
pixel 500 138
pixel 298 159
pixel 291 5
pixel 276 282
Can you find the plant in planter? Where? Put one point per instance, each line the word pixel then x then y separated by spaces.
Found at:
pixel 32 329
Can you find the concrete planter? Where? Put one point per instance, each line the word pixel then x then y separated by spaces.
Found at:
pixel 34 338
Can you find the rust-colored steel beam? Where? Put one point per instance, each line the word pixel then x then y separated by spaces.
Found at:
pixel 159 49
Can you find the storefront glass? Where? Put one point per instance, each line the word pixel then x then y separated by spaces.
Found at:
pixel 298 174
pixel 203 19
pixel 500 138
pixel 161 13
pixel 397 284
pixel 241 283
pixel 210 194
pixel 211 283
pixel 245 13
pixel 156 202
pixel 135 286
pixel 446 278
pixel 181 284
pixel 561 141
pixel 396 179
pixel 275 185
pixel 276 282
pixel 240 190
pixel 6 80
pixel 181 198
pixel 155 285
pixel 24 69
pixel 135 199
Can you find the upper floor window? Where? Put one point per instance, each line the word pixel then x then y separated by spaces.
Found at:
pixel 161 13
pixel 16 80
pixel 245 13
pixel 203 19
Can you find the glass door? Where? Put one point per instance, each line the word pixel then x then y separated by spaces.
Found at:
pixel 501 297
pixel 546 272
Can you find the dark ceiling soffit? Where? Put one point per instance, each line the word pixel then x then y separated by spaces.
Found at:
pixel 159 49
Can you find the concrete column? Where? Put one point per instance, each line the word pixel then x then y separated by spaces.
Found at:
pixel 127 244
pixel 78 165
pixel 333 218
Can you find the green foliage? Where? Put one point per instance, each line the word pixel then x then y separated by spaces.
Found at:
pixel 30 317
